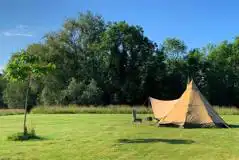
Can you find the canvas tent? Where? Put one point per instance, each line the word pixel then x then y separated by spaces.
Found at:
pixel 190 110
pixel 161 107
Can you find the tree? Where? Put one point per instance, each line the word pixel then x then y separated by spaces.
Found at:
pixel 174 48
pixel 118 63
pixel 224 62
pixel 175 79
pixel 51 93
pixel 197 67
pixel 71 49
pixel 14 95
pixel 127 54
pixel 72 94
pixel 26 67
pixel 82 93
pixel 92 94
pixel 2 87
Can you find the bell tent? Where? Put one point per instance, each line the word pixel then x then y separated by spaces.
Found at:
pixel 161 107
pixel 190 110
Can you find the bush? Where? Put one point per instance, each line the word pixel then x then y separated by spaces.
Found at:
pixel 51 93
pixel 82 93
pixel 14 95
pixel 21 137
pixel 72 94
pixel 50 96
pixel 92 94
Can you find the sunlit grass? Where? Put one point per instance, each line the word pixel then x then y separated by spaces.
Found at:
pixel 114 137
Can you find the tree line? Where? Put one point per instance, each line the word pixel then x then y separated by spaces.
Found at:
pixel 101 63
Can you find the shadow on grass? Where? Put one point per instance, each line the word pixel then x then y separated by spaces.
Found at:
pixel 37 138
pixel 234 125
pixel 155 140
pixel 27 137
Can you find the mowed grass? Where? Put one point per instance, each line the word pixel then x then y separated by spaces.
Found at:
pixel 114 137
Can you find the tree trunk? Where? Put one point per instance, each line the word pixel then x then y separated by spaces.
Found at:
pixel 26 103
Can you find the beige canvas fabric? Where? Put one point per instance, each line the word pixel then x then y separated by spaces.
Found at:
pixel 192 109
pixel 161 107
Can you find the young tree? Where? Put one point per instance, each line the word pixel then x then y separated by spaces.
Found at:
pixel 25 67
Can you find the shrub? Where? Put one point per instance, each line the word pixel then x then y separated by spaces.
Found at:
pixel 51 93
pixel 14 95
pixel 92 94
pixel 72 94
pixel 82 93
pixel 50 96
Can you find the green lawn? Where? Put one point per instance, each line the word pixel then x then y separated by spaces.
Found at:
pixel 103 137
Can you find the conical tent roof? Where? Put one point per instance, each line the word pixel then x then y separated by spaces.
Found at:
pixel 192 110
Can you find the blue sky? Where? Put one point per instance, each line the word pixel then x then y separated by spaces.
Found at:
pixel 23 22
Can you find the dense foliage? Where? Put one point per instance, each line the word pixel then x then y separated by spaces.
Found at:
pixel 100 62
pixel 2 87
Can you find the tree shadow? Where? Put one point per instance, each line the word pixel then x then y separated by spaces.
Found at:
pixel 38 138
pixel 234 125
pixel 27 137
pixel 155 140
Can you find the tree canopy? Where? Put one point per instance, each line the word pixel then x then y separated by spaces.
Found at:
pixel 99 62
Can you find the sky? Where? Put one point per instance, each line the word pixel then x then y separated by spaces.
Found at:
pixel 197 23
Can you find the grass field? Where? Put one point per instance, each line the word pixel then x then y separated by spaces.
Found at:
pixel 107 136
